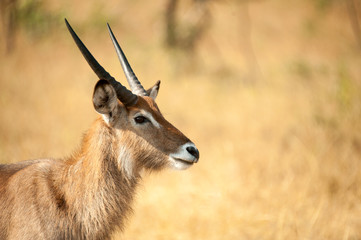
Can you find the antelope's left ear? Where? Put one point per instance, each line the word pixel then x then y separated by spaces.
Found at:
pixel 153 91
pixel 105 100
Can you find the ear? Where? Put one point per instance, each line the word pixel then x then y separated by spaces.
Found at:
pixel 105 99
pixel 153 91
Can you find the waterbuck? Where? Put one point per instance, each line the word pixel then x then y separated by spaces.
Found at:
pixel 89 195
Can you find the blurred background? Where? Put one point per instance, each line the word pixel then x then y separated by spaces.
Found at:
pixel 269 90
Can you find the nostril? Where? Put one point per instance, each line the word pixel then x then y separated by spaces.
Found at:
pixel 193 151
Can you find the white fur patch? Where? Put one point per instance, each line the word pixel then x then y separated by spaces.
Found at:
pixel 183 154
pixel 105 118
pixel 125 160
pixel 182 159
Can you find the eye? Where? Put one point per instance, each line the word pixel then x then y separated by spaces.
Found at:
pixel 141 119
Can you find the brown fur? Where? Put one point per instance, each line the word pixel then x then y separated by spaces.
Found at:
pixel 88 195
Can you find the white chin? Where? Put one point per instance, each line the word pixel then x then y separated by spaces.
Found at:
pixel 178 164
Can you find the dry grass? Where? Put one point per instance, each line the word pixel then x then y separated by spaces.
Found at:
pixel 280 158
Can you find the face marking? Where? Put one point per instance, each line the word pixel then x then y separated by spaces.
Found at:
pixel 149 116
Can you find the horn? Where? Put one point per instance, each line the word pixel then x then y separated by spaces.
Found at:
pixel 133 81
pixel 123 94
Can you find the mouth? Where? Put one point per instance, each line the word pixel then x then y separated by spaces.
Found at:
pixel 180 164
pixel 184 161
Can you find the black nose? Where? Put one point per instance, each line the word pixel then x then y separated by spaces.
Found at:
pixel 194 152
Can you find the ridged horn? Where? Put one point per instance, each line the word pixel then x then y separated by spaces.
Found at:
pixel 133 81
pixel 123 94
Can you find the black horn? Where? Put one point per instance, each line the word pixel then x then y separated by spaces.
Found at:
pixel 133 81
pixel 123 94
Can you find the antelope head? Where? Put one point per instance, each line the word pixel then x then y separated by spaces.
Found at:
pixel 145 138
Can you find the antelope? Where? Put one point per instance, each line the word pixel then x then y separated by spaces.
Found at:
pixel 89 194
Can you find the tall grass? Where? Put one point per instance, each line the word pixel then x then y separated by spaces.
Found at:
pixel 280 156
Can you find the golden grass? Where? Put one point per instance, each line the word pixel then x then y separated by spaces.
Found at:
pixel 280 159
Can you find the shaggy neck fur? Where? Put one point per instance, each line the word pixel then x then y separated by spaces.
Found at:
pixel 92 189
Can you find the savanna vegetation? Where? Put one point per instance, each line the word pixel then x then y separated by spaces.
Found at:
pixel 270 92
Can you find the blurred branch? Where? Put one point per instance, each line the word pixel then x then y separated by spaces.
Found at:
pixel 247 50
pixel 352 12
pixel 8 17
pixel 184 33
pixel 30 15
pixel 171 22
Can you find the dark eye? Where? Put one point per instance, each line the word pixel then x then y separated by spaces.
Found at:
pixel 141 119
